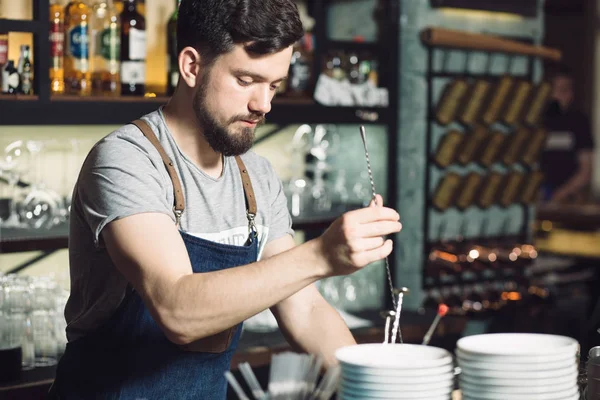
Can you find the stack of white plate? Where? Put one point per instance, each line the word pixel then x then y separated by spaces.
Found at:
pixel 395 371
pixel 518 366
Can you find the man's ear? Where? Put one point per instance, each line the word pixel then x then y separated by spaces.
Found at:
pixel 189 66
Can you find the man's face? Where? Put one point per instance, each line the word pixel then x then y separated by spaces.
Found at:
pixel 562 90
pixel 235 95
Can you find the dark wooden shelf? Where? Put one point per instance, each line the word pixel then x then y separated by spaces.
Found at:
pixel 17 25
pixel 93 110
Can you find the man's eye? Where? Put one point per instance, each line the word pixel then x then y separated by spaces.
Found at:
pixel 243 82
pixel 274 87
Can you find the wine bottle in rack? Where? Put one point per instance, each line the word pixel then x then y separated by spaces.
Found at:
pixel 57 47
pixel 472 143
pixel 490 152
pixel 77 59
pixel 451 101
pixel 497 100
pixel 469 115
pixel 133 50
pixel 10 78
pixel 518 102
pixel 445 193
pixel 537 105
pixel 448 148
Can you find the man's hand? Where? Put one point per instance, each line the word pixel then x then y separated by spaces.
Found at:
pixel 355 239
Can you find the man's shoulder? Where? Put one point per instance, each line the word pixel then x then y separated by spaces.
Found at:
pixel 257 163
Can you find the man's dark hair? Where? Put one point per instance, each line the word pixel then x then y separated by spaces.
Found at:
pixel 562 71
pixel 213 27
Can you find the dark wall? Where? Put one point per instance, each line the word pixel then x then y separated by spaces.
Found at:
pixel 570 26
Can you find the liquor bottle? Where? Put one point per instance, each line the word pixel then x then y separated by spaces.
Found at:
pixel 25 71
pixel 133 50
pixel 299 80
pixel 3 52
pixel 57 43
pixel 10 78
pixel 77 60
pixel 172 55
pixel 105 48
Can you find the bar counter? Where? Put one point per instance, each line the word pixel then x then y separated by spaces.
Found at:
pixel 256 348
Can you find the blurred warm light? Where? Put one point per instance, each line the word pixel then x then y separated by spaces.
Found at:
pixel 513 296
pixel 492 257
pixel 546 226
pixel 474 254
pixel 480 14
pixel 513 256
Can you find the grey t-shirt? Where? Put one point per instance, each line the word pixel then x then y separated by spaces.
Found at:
pixel 124 175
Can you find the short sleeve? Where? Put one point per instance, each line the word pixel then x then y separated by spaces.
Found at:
pixel 119 178
pixel 281 220
pixel 585 140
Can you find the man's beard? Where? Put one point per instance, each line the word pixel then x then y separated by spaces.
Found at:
pixel 217 135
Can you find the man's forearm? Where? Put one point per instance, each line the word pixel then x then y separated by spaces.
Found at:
pixel 207 303
pixel 320 331
pixel 573 185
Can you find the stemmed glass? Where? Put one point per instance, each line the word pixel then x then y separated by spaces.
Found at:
pixel 12 163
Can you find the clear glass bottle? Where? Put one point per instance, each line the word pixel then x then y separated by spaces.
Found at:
pixel 77 59
pixel 133 50
pixel 57 49
pixel 105 48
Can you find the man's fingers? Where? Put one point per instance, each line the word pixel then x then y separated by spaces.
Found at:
pixel 377 202
pixel 367 257
pixel 379 228
pixel 371 214
pixel 365 244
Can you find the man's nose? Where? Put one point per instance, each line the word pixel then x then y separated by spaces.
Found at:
pixel 261 100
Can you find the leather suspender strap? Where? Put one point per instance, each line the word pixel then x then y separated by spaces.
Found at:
pixel 177 188
pixel 248 190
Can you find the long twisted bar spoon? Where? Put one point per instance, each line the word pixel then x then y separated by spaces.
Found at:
pixel 363 135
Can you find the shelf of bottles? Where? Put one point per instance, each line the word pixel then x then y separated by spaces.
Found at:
pixel 97 54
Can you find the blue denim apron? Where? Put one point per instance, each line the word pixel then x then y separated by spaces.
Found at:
pixel 130 357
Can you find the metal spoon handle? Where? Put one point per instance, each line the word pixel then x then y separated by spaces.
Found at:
pixel 363 135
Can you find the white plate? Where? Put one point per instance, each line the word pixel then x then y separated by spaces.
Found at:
pixel 398 387
pixel 393 394
pixel 396 356
pixel 530 396
pixel 509 397
pixel 514 359
pixel 522 390
pixel 359 371
pixel 483 373
pixel 443 374
pixel 516 367
pixel 542 382
pixel 348 396
pixel 517 344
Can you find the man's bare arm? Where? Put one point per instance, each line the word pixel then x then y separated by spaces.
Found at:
pixel 190 306
pixel 307 321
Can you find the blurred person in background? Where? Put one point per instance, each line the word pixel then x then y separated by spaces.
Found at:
pixel 567 158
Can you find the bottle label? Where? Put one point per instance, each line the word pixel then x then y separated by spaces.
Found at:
pixel 57 39
pixel 26 81
pixel 79 42
pixel 137 44
pixel 3 51
pixel 109 43
pixel 13 81
pixel 133 72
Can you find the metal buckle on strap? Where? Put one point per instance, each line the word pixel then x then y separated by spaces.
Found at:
pixel 251 224
pixel 178 214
